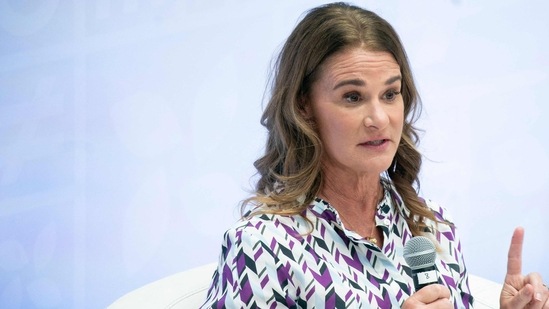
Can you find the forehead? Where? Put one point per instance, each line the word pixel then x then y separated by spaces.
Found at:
pixel 358 61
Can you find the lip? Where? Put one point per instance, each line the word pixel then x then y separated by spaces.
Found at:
pixel 374 140
pixel 375 143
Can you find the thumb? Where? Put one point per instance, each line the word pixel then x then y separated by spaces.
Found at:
pixel 523 297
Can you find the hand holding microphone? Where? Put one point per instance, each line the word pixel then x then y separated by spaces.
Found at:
pixel 420 254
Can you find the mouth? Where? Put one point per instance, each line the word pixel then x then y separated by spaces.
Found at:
pixel 377 142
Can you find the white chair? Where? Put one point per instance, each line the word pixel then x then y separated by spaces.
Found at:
pixel 188 289
pixel 486 292
pixel 183 290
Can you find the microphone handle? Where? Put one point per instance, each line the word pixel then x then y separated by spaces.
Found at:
pixel 424 276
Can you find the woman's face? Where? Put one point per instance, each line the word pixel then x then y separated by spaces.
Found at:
pixel 358 110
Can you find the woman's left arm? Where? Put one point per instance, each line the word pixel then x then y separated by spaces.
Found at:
pixel 462 285
pixel 449 241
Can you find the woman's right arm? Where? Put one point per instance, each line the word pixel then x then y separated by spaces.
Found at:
pixel 249 274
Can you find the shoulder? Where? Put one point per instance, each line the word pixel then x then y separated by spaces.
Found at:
pixel 444 230
pixel 440 212
pixel 267 228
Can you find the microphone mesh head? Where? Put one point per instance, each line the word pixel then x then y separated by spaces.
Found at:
pixel 420 252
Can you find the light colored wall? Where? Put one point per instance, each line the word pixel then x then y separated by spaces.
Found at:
pixel 128 131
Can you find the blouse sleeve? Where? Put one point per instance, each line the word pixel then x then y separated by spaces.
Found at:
pixel 463 282
pixel 249 274
pixel 456 276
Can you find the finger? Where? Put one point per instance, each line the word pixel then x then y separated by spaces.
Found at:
pixel 432 293
pixel 540 290
pixel 541 293
pixel 514 257
pixel 443 303
pixel 523 297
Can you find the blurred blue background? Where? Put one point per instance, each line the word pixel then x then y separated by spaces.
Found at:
pixel 128 130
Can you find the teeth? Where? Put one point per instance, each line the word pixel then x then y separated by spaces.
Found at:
pixel 376 143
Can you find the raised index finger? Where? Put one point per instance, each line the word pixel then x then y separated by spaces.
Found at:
pixel 514 257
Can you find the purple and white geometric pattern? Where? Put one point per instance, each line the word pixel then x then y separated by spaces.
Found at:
pixel 275 261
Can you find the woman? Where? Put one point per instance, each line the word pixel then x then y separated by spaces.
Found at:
pixel 336 198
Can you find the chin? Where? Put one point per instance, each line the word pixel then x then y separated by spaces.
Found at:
pixel 378 168
pixel 369 170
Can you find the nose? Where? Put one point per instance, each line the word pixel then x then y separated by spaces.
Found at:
pixel 375 115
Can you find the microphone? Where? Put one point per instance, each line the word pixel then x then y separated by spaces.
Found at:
pixel 420 254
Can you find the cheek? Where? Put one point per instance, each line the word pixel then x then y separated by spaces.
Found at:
pixel 327 131
pixel 398 117
pixel 400 122
pixel 333 129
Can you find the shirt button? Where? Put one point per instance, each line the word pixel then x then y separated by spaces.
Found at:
pixel 386 221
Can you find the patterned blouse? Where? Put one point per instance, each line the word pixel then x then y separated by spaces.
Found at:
pixel 276 261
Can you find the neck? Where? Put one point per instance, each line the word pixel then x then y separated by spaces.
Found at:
pixel 356 203
pixel 352 195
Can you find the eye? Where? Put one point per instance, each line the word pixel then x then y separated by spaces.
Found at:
pixel 391 95
pixel 352 97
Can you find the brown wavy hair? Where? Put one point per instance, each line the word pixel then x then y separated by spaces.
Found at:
pixel 290 174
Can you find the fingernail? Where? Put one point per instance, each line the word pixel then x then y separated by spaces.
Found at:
pixel 537 296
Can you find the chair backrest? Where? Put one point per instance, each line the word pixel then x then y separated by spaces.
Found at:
pixel 486 292
pixel 188 289
pixel 183 290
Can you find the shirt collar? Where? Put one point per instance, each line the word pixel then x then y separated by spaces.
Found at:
pixel 322 209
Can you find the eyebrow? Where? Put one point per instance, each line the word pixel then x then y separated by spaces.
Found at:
pixel 353 82
pixel 360 82
pixel 393 79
